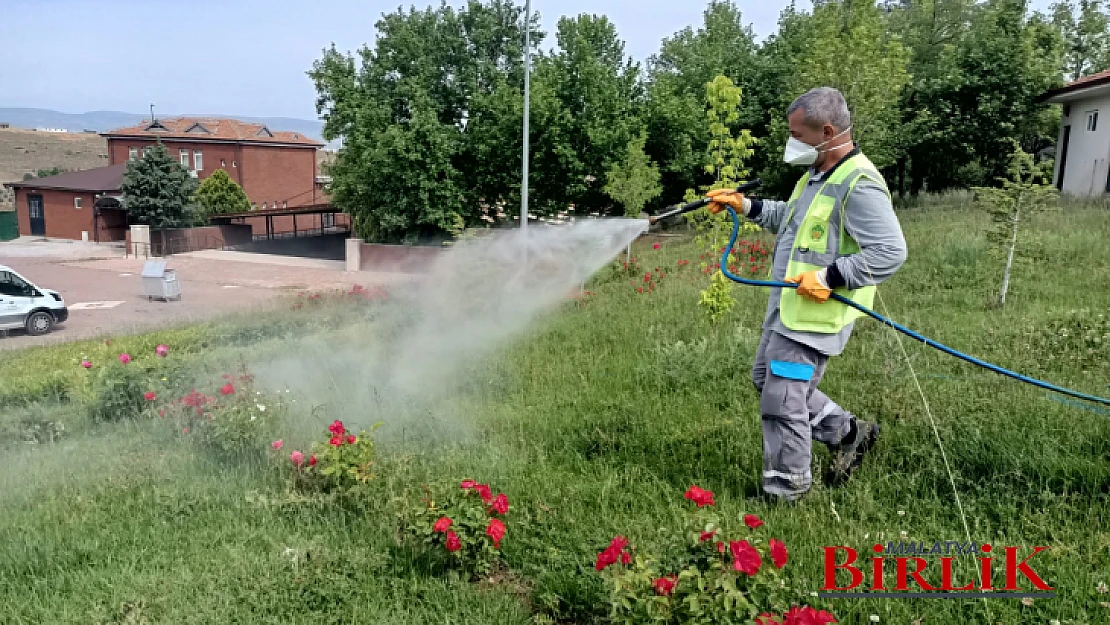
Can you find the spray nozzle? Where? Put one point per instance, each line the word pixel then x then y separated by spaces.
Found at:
pixel 679 209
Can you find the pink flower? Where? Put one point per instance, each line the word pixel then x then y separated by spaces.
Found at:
pixel 656 246
pixel 185 430
pixel 778 553
pixel 162 350
pixel 807 616
pixel 297 458
pixel 699 496
pixel 162 412
pixel 752 521
pixel 453 542
pixel 664 585
pixel 277 444
pixel 468 484
pixel 150 396
pixel 744 557
pixel 125 358
pixel 441 524
pixel 227 389
pixel 501 503
pixel 496 531
pixel 86 364
pixel 312 460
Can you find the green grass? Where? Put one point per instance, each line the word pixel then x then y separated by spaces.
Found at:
pixel 593 426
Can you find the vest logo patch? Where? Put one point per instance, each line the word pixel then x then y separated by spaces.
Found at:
pixel 817 232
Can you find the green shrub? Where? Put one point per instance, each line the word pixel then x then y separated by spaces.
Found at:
pixel 119 390
pixel 235 420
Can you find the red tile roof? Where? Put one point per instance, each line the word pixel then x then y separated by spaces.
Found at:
pixel 99 179
pixel 222 129
pixel 1094 80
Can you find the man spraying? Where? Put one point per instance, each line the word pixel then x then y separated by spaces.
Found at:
pixel 837 232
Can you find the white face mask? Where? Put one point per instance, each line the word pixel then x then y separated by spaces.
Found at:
pixel 800 153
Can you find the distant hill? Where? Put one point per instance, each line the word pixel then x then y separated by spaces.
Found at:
pixel 103 121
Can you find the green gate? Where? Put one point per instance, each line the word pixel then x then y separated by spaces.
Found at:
pixel 9 227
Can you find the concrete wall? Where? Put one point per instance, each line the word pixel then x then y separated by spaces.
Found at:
pixel 396 258
pixel 1088 155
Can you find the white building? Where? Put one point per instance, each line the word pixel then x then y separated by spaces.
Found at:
pixel 1083 145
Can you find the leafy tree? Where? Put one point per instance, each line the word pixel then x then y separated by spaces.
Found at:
pixel 1026 190
pixel 675 112
pixel 219 194
pixel 157 190
pixel 597 99
pixel 635 181
pixel 1083 25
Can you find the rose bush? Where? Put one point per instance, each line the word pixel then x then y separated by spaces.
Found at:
pixel 707 573
pixel 461 524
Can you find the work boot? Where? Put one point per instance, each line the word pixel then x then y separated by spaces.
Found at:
pixel 848 455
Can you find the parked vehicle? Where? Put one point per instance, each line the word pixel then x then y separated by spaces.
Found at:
pixel 25 305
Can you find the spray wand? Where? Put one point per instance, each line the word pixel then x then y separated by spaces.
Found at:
pixel 679 209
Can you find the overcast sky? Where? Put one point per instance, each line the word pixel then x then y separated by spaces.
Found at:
pixel 244 57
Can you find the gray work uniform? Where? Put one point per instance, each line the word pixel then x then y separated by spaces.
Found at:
pixel 794 411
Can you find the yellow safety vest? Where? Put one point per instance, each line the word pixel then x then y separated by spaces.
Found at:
pixel 819 241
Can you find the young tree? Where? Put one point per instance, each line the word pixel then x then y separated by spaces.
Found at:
pixel 1024 192
pixel 633 182
pixel 219 194
pixel 158 191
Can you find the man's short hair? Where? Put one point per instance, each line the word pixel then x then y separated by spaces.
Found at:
pixel 823 105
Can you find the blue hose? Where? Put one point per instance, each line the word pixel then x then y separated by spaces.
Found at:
pixel 904 330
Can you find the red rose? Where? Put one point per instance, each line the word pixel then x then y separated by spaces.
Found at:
pixel 744 557
pixel 656 246
pixel 647 277
pixel 496 531
pixel 707 536
pixel 778 553
pixel 720 547
pixel 807 616
pixel 227 389
pixel 149 396
pixel 468 484
pixel 351 440
pixel 336 441
pixel 625 557
pixel 501 503
pixel 752 521
pixel 483 491
pixel 611 553
pixel 699 496
pixel 337 428
pixel 312 460
pixel 453 543
pixel 442 524
pixel 664 585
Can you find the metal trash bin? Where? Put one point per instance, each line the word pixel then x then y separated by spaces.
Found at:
pixel 159 282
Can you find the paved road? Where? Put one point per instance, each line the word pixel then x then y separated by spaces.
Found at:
pixel 212 284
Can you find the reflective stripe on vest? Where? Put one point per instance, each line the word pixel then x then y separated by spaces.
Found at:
pixel 819 240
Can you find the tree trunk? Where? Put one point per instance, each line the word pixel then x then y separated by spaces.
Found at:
pixel 1010 256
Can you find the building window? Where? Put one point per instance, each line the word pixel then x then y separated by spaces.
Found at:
pixel 77 203
pixel 132 153
pixel 234 164
pixel 1067 110
pixel 1092 120
pixel 284 204
pixel 223 163
pixel 263 206
pixel 198 160
pixel 184 155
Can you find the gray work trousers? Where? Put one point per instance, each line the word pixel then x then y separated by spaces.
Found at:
pixel 794 413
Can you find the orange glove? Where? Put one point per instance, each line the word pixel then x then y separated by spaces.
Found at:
pixel 721 197
pixel 812 285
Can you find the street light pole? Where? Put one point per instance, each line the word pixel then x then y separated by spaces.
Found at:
pixel 527 73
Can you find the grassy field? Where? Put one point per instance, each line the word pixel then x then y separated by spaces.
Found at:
pixel 593 425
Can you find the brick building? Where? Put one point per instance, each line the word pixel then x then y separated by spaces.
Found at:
pixel 277 170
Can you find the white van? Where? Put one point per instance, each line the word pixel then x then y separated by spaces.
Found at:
pixel 24 305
